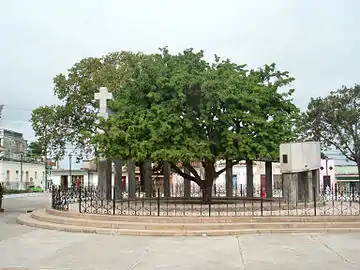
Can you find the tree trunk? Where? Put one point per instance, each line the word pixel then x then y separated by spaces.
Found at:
pixel 142 178
pixel 148 178
pixel 187 185
pixel 206 187
pixel 206 193
pixel 166 169
pixel 229 178
pixel 249 179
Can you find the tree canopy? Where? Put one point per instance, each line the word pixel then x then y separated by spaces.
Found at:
pixel 335 122
pixel 183 108
pixel 172 107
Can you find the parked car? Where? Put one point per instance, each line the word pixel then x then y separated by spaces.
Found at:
pixel 36 189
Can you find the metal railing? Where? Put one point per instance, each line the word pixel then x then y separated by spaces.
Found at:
pixel 94 200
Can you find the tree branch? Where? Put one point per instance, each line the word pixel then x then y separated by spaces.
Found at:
pixel 338 147
pixel 192 170
pixel 343 140
pixel 184 175
pixel 224 169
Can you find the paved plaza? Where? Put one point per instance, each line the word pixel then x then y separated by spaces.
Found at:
pixel 21 246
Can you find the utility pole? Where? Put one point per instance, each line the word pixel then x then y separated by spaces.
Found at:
pixel 70 176
pixel 46 168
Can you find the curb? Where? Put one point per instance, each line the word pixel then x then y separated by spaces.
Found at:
pixel 23 195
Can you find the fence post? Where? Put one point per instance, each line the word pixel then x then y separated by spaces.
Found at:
pixel 114 200
pixel 1 197
pixel 158 201
pixel 314 195
pixel 209 208
pixel 80 199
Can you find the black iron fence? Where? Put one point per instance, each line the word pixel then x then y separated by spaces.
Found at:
pixel 94 200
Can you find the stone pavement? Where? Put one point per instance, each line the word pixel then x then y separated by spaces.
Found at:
pixel 21 246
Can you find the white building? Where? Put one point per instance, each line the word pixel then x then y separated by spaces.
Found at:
pixel 19 175
pixel 18 168
pixel 239 177
pixel 327 173
pixel 88 178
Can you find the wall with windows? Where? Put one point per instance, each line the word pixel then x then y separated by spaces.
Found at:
pixel 32 174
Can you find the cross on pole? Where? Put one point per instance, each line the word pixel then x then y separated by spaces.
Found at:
pixel 103 96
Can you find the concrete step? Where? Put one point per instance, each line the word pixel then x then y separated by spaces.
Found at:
pixel 26 219
pixel 42 215
pixel 196 219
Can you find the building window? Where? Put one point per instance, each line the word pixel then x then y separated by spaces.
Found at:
pixel 27 176
pixel 17 175
pixel 284 158
pixel 35 175
pixel 7 175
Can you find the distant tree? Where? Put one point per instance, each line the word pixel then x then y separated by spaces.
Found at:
pixel 1 109
pixel 35 148
pixel 49 130
pixel 75 120
pixel 335 122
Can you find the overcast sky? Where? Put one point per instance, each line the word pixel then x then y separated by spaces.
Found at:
pixel 317 41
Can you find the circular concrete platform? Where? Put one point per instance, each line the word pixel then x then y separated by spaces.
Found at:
pixel 185 226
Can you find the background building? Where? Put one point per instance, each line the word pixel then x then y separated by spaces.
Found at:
pixel 347 177
pixel 18 168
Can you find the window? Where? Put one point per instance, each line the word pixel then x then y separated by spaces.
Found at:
pixel 17 175
pixel 284 158
pixel 7 175
pixel 35 175
pixel 27 176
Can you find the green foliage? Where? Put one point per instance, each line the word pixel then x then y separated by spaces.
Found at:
pixel 335 122
pixel 180 107
pixel 170 107
pixel 1 109
pixel 35 148
pixel 75 121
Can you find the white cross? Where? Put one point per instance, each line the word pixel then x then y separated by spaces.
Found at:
pixel 103 96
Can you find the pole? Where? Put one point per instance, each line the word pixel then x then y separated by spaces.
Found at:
pixel 46 168
pixel 70 176
pixel 314 192
pixel 21 169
